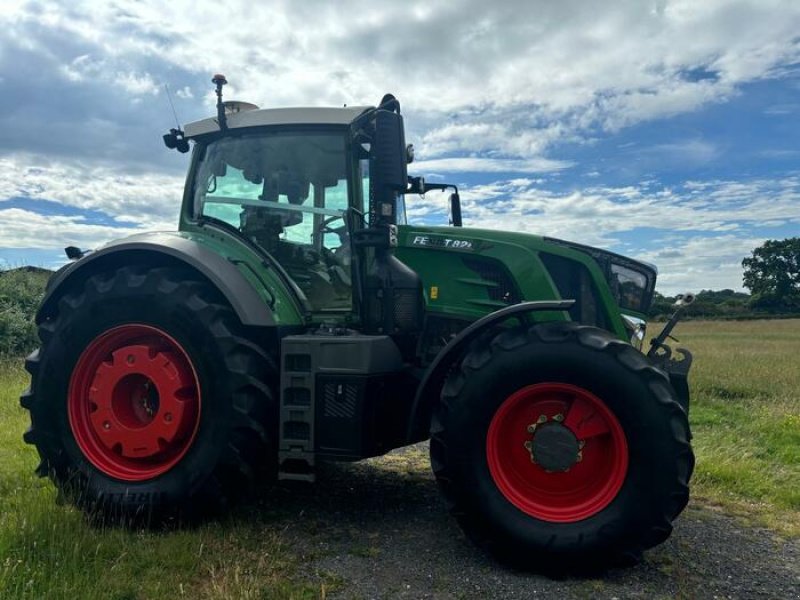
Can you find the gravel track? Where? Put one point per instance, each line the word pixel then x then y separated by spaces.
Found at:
pixel 378 529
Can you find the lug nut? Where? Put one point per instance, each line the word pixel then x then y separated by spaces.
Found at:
pixel 529 447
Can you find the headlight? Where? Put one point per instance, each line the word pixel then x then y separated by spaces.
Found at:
pixel 637 328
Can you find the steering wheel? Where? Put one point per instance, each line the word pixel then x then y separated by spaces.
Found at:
pixel 325 227
pixel 341 253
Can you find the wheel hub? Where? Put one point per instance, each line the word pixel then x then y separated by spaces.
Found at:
pixel 136 404
pixel 554 447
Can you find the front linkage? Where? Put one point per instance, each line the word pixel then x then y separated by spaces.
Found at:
pixel 662 354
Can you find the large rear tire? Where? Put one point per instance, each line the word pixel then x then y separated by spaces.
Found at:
pixel 147 400
pixel 561 447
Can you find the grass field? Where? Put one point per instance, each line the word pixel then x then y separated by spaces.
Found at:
pixel 47 550
pixel 745 417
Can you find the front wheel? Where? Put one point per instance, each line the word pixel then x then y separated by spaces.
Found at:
pixel 561 447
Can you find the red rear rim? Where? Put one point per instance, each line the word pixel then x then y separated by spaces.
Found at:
pixel 134 402
pixel 595 466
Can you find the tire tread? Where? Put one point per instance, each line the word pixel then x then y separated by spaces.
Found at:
pixel 596 340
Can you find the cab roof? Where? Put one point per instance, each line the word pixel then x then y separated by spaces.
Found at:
pixel 278 116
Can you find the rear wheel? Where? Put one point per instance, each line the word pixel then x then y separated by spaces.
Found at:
pixel 561 446
pixel 147 400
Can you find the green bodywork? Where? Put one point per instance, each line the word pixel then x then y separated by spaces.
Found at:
pixel 457 290
pixel 273 291
pixel 462 293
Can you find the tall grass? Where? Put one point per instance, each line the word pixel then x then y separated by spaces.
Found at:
pixel 48 550
pixel 745 417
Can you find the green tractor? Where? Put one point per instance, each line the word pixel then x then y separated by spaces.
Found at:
pixel 295 317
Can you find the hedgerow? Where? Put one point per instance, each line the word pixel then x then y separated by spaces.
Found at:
pixel 21 291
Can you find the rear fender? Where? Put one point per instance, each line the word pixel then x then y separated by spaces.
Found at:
pixel 433 380
pixel 159 249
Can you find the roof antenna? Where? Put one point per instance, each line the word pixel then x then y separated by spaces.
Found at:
pixel 175 139
pixel 172 106
pixel 219 80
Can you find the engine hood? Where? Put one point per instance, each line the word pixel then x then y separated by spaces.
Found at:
pixel 631 283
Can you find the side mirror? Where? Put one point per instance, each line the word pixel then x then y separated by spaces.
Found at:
pixel 409 154
pixel 455 209
pixel 418 185
pixel 388 167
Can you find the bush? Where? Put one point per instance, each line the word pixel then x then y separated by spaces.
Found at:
pixel 21 291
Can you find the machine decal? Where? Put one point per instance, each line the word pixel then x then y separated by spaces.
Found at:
pixel 442 242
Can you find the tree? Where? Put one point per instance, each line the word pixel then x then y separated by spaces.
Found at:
pixel 772 274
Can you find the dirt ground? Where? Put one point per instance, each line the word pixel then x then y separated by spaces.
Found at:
pixel 378 529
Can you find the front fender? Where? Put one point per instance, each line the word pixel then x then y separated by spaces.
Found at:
pixel 428 391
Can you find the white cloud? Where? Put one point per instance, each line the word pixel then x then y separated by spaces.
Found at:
pixel 86 68
pixel 135 83
pixel 185 92
pixel 511 78
pixel 28 229
pixel 702 229
pixel 701 262
pixel 489 165
pixel 146 199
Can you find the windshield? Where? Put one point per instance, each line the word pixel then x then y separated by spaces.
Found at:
pixel 287 193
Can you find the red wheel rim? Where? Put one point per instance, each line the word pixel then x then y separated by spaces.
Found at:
pixel 134 402
pixel 589 484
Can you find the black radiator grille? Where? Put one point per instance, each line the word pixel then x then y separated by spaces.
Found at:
pixel 406 309
pixel 575 283
pixel 492 270
pixel 438 332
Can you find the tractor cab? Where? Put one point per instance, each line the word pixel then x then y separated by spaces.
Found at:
pixel 319 192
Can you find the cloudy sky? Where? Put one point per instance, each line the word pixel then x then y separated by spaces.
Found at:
pixel 664 130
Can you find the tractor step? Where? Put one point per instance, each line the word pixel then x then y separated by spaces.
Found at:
pixel 296 448
pixel 325 381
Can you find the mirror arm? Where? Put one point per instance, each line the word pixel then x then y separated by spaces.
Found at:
pixel 418 185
